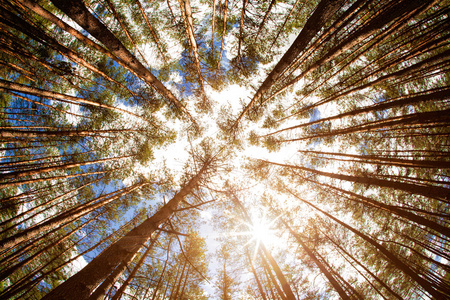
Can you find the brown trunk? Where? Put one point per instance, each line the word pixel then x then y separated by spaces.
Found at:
pixel 322 13
pixel 18 216
pixel 438 94
pixel 429 63
pixel 124 28
pixel 318 263
pixel 78 12
pixel 64 217
pixel 389 256
pixel 213 21
pixel 35 180
pixel 391 161
pixel 223 32
pixel 284 24
pixel 49 16
pixel 258 283
pixel 155 290
pixel 186 277
pixel 139 264
pixel 35 33
pixel 152 31
pixel 396 210
pixel 19 174
pixel 175 290
pixel 284 284
pixel 101 291
pixel 23 263
pixel 241 28
pixel 81 285
pixel 272 3
pixel 402 11
pixel 8 85
pixel 365 269
pixel 186 11
pixel 419 120
pixel 272 279
pixel 44 105
pixel 435 192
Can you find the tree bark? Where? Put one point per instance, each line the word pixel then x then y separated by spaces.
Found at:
pixel 81 285
pixel 78 12
pixel 324 10
pixel 435 192
pixel 390 256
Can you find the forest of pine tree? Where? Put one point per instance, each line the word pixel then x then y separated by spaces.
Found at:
pixel 224 149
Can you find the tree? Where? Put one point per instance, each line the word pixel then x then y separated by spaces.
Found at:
pixel 203 149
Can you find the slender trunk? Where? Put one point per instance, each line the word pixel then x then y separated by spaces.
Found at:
pixel 323 12
pixel 396 210
pixel 391 161
pixel 439 94
pixel 78 12
pixel 186 277
pixel 284 284
pixel 35 180
pixel 272 279
pixel 12 86
pixel 284 24
pixel 389 256
pixel 401 12
pixel 186 11
pixel 19 174
pixel 180 280
pixel 213 21
pixel 81 285
pixel 272 3
pixel 124 28
pixel 155 290
pixel 152 31
pixel 18 216
pixel 241 28
pixel 24 262
pixel 429 63
pixel 50 107
pixel 434 192
pixel 39 35
pixel 258 283
pixel 64 217
pixel 383 284
pixel 440 118
pixel 224 30
pixel 139 264
pixel 268 283
pixel 51 17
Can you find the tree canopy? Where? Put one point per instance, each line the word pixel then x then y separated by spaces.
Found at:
pixel 220 149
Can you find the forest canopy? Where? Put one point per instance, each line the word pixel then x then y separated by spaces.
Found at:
pixel 220 149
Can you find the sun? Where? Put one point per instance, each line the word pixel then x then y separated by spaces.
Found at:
pixel 262 230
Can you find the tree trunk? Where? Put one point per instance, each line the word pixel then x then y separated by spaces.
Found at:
pixel 434 192
pixel 81 285
pixel 64 217
pixel 323 12
pixel 78 12
pixel 8 85
pixel 390 256
pixel 139 264
pixel 258 283
pixel 19 174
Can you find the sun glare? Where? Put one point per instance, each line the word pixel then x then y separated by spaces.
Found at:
pixel 261 230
